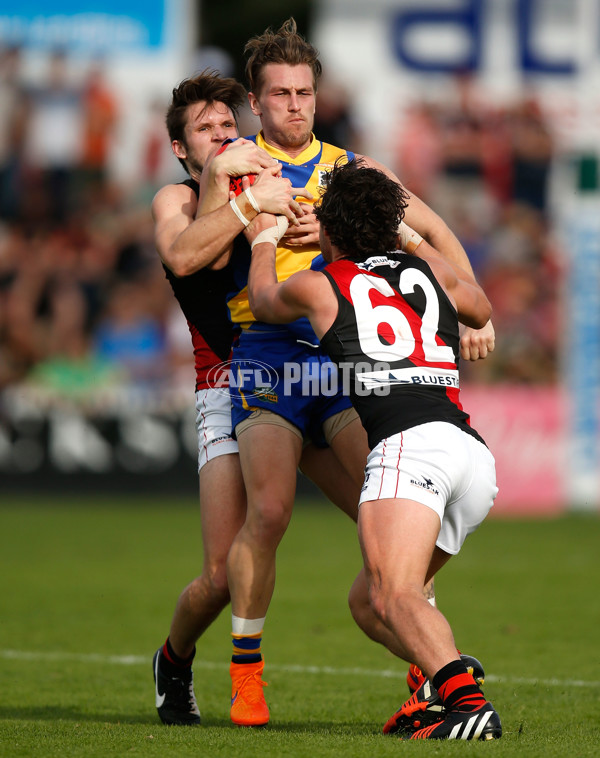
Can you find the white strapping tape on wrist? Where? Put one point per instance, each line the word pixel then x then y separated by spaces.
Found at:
pixel 252 199
pixel 274 233
pixel 238 213
pixel 409 239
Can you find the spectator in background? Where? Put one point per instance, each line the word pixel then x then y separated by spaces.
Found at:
pixel 100 120
pixel 36 267
pixel 130 336
pixel 522 279
pixel 70 369
pixel 55 286
pixel 13 119
pixel 53 147
pixel 532 155
pixel 462 126
pixel 333 116
pixel 497 160
pixel 153 149
pixel 419 152
pixel 19 292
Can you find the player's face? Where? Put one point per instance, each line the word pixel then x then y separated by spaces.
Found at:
pixel 286 105
pixel 206 128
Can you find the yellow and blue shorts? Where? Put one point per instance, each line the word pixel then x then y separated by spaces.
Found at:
pixel 275 371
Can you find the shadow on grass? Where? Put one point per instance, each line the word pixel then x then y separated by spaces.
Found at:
pixel 309 726
pixel 67 713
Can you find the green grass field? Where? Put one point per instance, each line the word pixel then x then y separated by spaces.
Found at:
pixel 89 586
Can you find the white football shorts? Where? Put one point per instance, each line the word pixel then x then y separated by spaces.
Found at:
pixel 441 466
pixel 213 423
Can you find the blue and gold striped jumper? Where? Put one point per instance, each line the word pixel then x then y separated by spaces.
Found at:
pixel 284 347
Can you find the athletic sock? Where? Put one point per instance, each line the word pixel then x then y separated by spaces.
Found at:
pixel 247 637
pixel 171 663
pixel 246 649
pixel 457 688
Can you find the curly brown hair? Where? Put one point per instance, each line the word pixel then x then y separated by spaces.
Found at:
pixel 283 46
pixel 360 209
pixel 208 86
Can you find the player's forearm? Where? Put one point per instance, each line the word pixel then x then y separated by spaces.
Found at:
pixel 262 282
pixel 214 189
pixel 425 250
pixel 444 240
pixel 434 230
pixel 209 237
pixel 200 246
pixel 473 306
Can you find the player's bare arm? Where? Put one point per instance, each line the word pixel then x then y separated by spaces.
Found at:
pixel 427 252
pixel 188 240
pixel 470 301
pixel 306 293
pixel 186 243
pixel 420 217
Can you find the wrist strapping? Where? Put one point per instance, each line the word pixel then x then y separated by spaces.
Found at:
pixel 273 234
pixel 235 208
pixel 409 239
pixel 252 199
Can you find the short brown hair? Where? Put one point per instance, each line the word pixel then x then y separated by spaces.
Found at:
pixel 283 46
pixel 209 86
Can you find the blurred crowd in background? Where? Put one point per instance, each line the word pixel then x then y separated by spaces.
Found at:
pixel 84 303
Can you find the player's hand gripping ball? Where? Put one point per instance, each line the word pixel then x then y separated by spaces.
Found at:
pixel 235 182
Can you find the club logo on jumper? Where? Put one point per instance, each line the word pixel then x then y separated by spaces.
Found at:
pixel 378 260
pixel 425 484
pixel 242 377
pixel 322 170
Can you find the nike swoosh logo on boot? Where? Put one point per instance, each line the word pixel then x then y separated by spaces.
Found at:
pixel 160 699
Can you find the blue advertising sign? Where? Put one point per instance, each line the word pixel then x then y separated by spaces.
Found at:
pixel 469 18
pixel 84 25
pixel 583 360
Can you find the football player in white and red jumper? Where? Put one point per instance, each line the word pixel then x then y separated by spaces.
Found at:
pixel 390 320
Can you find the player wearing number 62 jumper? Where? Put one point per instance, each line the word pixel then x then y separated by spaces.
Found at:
pixel 390 320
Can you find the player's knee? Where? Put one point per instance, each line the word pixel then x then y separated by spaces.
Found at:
pixel 389 602
pixel 378 603
pixel 213 585
pixel 218 584
pixel 269 522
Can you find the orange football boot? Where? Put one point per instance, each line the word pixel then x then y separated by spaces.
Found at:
pixel 248 704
